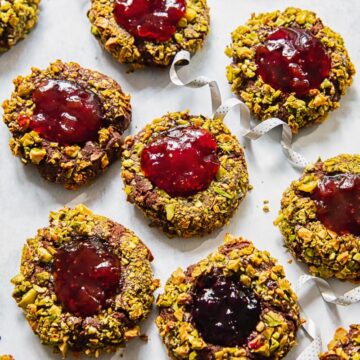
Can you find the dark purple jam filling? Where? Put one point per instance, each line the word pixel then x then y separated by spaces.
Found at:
pixel 224 311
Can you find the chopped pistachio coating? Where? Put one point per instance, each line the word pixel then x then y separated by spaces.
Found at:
pixel 17 19
pixel 205 211
pixel 327 253
pixel 190 35
pixel 266 102
pixel 275 333
pixel 112 326
pixel 345 345
pixel 77 164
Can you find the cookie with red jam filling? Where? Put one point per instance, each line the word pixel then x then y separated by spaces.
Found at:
pixel 345 345
pixel 320 218
pixel 85 283
pixel 67 121
pixel 236 303
pixel 17 19
pixel 289 65
pixel 187 173
pixel 149 32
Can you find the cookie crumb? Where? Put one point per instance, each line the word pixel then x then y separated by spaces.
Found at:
pixel 144 337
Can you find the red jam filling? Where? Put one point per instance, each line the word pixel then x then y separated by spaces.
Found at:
pixel 337 200
pixel 150 19
pixel 292 60
pixel 224 311
pixel 65 112
pixel 86 276
pixel 182 161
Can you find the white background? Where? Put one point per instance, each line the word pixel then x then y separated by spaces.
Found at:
pixel 63 33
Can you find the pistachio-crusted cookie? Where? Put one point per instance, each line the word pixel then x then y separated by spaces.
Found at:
pixel 345 345
pixel 149 32
pixel 85 282
pixel 289 65
pixel 236 303
pixel 17 19
pixel 68 121
pixel 320 217
pixel 186 173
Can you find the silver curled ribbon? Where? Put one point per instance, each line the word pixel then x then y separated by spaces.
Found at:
pixel 79 199
pixel 328 295
pixel 219 111
pixel 310 329
pixel 182 58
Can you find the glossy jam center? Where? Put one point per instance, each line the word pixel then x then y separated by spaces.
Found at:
pixel 150 19
pixel 224 311
pixel 182 161
pixel 86 275
pixel 292 60
pixel 337 200
pixel 65 112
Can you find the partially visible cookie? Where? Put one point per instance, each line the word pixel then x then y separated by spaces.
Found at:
pixel 67 121
pixel 17 19
pixel 234 304
pixel 6 357
pixel 187 173
pixel 320 217
pixel 345 345
pixel 144 32
pixel 85 283
pixel 289 65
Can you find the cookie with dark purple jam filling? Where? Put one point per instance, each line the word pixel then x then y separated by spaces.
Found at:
pixel 320 217
pixel 85 283
pixel 236 303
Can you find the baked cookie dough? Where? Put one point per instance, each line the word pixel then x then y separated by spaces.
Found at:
pixel 101 272
pixel 17 19
pixel 6 357
pixel 345 345
pixel 187 34
pixel 320 218
pixel 289 65
pixel 236 303
pixel 207 208
pixel 67 121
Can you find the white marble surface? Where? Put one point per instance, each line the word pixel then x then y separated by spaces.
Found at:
pixel 25 199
